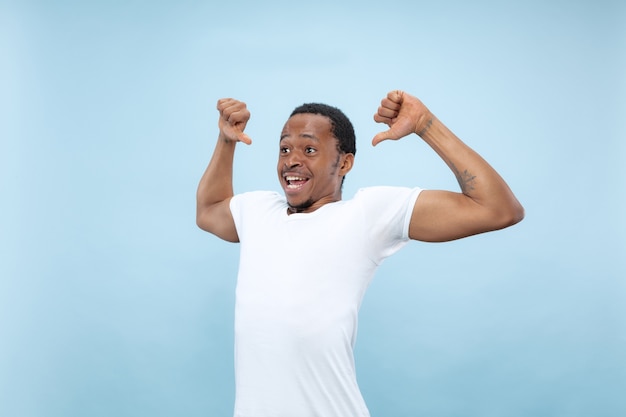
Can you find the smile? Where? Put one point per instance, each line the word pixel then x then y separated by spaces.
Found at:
pixel 294 182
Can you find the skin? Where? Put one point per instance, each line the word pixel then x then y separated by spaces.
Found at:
pixel 484 203
pixel 310 167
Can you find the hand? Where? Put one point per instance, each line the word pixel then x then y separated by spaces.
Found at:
pixel 234 116
pixel 404 114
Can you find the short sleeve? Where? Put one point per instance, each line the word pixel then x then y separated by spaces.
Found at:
pixel 387 213
pixel 247 207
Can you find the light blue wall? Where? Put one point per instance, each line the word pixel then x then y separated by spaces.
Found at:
pixel 113 303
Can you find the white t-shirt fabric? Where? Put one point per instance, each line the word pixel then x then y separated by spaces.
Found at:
pixel 300 284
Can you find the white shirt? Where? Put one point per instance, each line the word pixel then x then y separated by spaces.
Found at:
pixel 301 281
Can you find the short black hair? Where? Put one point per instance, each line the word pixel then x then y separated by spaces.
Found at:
pixel 341 126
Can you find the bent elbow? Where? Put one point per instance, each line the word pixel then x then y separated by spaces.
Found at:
pixel 519 214
pixel 203 219
pixel 200 223
pixel 512 216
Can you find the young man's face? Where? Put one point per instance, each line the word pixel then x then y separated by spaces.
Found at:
pixel 310 167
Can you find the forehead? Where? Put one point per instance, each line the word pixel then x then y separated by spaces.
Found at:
pixel 308 124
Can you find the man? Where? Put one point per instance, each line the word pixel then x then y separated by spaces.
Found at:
pixel 307 257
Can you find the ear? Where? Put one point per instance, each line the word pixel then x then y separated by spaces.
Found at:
pixel 346 163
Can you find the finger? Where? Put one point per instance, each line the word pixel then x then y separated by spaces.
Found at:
pixel 224 103
pixel 379 119
pixel 235 134
pixel 236 112
pixel 244 138
pixel 386 135
pixel 233 110
pixel 390 104
pixel 387 112
pixel 396 96
pixel 237 116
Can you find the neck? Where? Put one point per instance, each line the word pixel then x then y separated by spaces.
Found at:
pixel 311 206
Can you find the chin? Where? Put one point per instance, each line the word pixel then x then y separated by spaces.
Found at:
pixel 299 205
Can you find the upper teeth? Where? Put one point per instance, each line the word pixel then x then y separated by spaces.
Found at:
pixel 294 178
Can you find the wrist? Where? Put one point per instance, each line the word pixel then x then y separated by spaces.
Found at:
pixel 223 138
pixel 424 124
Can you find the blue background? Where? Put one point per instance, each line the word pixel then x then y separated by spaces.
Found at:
pixel 112 301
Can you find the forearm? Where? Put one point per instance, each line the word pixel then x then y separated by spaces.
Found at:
pixel 477 179
pixel 216 184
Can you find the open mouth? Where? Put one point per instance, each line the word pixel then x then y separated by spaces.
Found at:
pixel 294 182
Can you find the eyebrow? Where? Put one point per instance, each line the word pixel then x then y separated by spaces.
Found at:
pixel 302 135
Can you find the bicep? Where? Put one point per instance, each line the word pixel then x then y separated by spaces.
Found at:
pixel 218 220
pixel 440 216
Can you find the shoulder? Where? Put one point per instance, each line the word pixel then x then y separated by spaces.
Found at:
pixel 386 194
pixel 385 212
pixel 256 200
pixel 258 196
pixel 387 204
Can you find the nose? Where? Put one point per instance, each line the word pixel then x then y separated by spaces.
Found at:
pixel 293 160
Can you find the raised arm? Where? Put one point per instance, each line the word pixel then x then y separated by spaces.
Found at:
pixel 216 185
pixel 485 202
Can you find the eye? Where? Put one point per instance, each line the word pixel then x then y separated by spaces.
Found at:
pixel 310 150
pixel 284 149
